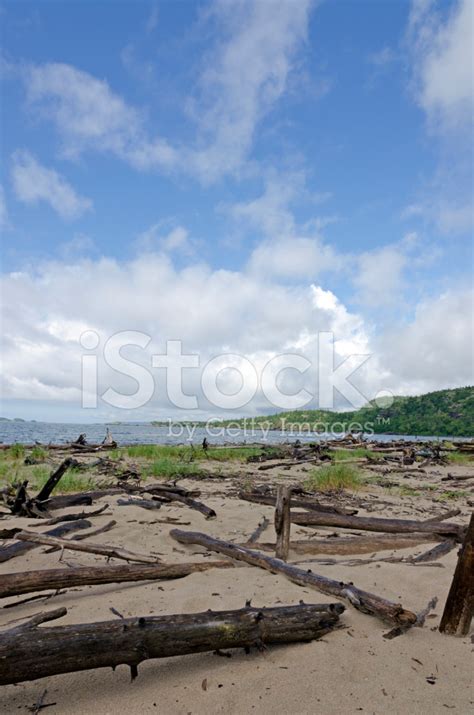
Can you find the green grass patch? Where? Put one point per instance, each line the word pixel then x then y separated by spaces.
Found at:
pixel 16 451
pixel 38 453
pixel 170 469
pixel 230 454
pixel 449 496
pixel 184 453
pixel 341 455
pixel 72 481
pixel 460 458
pixel 334 477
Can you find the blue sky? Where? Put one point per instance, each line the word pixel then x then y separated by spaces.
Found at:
pixel 277 148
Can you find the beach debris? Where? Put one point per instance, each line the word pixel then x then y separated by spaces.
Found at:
pixel 21 547
pixel 28 653
pixel 282 522
pixel 73 545
pixel 255 535
pixel 366 602
pixel 16 584
pixel 372 523
pixel 341 545
pixel 458 611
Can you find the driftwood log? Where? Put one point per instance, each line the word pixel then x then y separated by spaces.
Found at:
pixel 458 611
pixel 282 522
pixel 372 523
pixel 53 480
pixel 369 603
pixel 256 534
pixel 28 652
pixel 350 545
pixel 16 584
pixel 102 549
pixel 21 547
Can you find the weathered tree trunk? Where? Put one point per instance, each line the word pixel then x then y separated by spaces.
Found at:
pixel 27 652
pixel 282 522
pixel 459 607
pixel 393 613
pixel 72 517
pixel 192 503
pixel 54 479
pixel 21 547
pixel 372 523
pixel 15 584
pixel 350 545
pixel 102 549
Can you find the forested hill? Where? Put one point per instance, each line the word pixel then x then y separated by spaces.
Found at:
pixel 444 413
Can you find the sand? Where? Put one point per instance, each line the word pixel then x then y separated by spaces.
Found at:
pixel 351 670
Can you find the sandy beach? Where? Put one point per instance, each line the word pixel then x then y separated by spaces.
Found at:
pixel 353 669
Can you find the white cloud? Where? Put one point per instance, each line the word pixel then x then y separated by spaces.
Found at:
pixel 294 258
pixel 213 311
pixel 379 276
pixel 33 183
pixel 157 238
pixel 245 77
pixel 435 349
pixel 442 45
pixel 240 82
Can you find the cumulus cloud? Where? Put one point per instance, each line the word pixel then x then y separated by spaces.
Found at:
pixel 230 103
pixel 434 350
pixel 213 312
pixel 33 182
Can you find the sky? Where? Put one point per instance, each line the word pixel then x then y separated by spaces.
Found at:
pixel 245 177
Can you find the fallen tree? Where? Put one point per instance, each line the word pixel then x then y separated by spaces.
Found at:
pixel 16 584
pixel 372 523
pixel 366 602
pixel 459 608
pixel 28 652
pixel 21 547
pixel 350 545
pixel 101 549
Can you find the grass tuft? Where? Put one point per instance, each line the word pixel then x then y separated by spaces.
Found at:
pixel 334 477
pixel 171 469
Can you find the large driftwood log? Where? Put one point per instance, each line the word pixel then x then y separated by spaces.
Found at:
pixel 28 653
pixel 53 480
pixel 16 584
pixel 350 545
pixel 372 523
pixel 21 547
pixel 102 549
pixel 369 603
pixel 459 607
pixel 192 503
pixel 282 522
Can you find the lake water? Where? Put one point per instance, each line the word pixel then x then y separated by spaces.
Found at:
pixel 127 433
